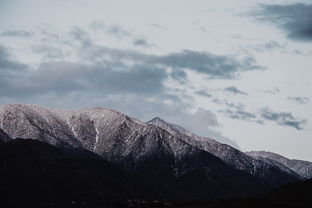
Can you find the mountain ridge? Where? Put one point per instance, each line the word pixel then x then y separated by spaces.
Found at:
pixel 174 156
pixel 301 167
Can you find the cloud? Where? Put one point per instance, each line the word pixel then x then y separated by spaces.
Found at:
pixel 295 19
pixel 236 111
pixel 112 29
pixel 236 106
pixel 300 100
pixel 66 77
pixel 141 43
pixel 82 36
pixel 283 118
pixel 7 62
pixel 234 90
pixel 273 92
pixel 159 26
pixel 203 93
pixel 48 52
pixel 273 45
pixel 16 33
pixel 215 66
pixel 239 114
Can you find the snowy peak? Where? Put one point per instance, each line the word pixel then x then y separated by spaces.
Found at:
pixel 171 128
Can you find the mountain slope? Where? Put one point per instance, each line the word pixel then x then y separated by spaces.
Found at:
pixel 302 168
pixel 35 172
pixel 182 164
pixel 230 155
pixel 3 136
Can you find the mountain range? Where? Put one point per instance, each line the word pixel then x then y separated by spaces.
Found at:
pixel 110 152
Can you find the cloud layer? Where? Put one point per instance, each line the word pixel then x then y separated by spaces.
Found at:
pixel 295 19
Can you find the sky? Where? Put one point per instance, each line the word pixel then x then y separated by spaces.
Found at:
pixel 237 71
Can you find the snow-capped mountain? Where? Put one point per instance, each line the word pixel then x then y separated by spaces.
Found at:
pixel 302 168
pixel 167 154
pixel 228 154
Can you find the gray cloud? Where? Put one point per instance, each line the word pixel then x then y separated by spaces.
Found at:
pixel 82 36
pixel 234 90
pixel 48 52
pixel 300 100
pixel 7 62
pixel 295 19
pixel 236 111
pixel 236 106
pixel 211 65
pixel 141 43
pixel 239 114
pixel 273 45
pixel 215 66
pixel 66 77
pixel 283 118
pixel 17 33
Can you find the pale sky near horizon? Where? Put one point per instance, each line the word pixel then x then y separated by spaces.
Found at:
pixel 238 71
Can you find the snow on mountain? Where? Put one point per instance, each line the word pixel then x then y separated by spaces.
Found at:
pixel 225 152
pixel 145 148
pixel 302 168
pixel 109 133
pixel 124 140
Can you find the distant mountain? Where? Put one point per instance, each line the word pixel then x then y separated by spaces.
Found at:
pixel 175 161
pixel 233 157
pixel 302 168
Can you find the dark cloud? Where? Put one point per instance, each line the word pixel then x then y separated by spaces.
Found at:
pixel 179 75
pixel 301 100
pixel 17 33
pixel 215 66
pixel 211 65
pixel 234 90
pixel 66 77
pixel 141 43
pixel 295 19
pixel 283 118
